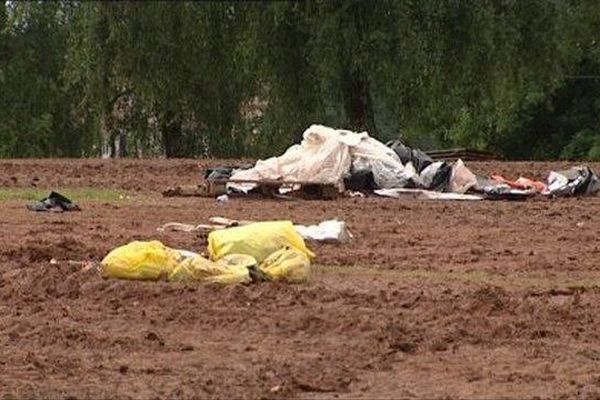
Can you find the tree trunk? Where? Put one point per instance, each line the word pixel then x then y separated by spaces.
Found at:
pixel 358 103
pixel 120 144
pixel 105 133
pixel 171 135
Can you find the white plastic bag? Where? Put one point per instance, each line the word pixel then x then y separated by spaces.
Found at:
pixel 330 230
pixel 461 179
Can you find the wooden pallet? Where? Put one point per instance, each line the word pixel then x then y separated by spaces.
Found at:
pixel 270 188
pixel 265 188
pixel 462 153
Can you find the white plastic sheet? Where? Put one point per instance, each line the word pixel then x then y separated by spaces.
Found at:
pixel 398 193
pixel 327 231
pixel 385 164
pixel 326 155
pixel 462 179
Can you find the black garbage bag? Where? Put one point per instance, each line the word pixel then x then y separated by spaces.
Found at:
pixel 404 152
pixel 55 202
pixel 360 180
pixel 436 176
pixel 419 159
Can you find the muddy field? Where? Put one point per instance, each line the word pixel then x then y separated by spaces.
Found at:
pixel 431 300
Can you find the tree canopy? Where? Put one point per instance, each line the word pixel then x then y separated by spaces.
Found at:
pixel 230 79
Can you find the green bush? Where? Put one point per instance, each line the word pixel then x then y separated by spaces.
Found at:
pixel 585 145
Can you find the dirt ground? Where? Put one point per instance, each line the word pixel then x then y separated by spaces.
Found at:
pixel 431 300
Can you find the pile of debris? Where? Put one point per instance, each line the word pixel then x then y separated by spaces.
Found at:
pixel 332 162
pixel 257 252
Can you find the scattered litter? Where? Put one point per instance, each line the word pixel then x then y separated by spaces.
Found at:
pixel 327 231
pixel 353 194
pixel 55 202
pixel 576 181
pixel 398 193
pixel 222 199
pixel 54 261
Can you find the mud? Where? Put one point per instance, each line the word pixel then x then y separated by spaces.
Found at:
pixel 431 300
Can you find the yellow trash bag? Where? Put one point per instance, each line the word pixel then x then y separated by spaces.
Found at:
pixel 258 240
pixel 152 261
pixel 229 270
pixel 289 265
pixel 140 260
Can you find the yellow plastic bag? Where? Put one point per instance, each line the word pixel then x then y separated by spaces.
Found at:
pixel 152 261
pixel 140 260
pixel 287 265
pixel 258 240
pixel 229 270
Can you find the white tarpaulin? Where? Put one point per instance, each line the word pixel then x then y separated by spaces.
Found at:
pixel 326 155
pixel 398 193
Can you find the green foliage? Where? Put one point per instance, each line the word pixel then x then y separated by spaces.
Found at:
pixel 34 107
pixel 230 79
pixel 585 145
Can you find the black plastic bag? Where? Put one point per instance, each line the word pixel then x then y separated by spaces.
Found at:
pixel 419 159
pixel 55 202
